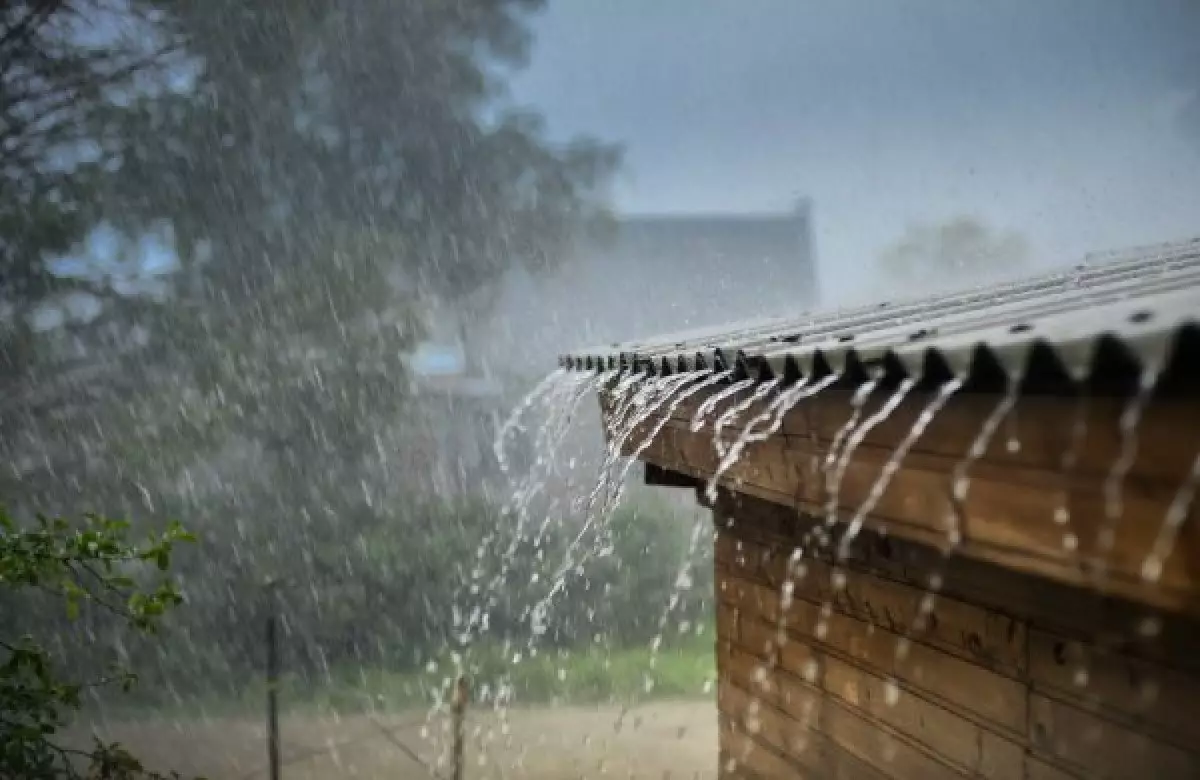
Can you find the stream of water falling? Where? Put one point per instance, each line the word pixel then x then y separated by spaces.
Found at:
pixel 626 419
pixel 1114 482
pixel 734 412
pixel 935 405
pixel 559 399
pixel 959 488
pixel 652 394
pixel 855 435
pixel 1070 462
pixel 776 412
pixel 1177 514
pixel 715 400
pixel 562 407
pixel 960 476
pixel 514 418
pixel 554 402
pixel 669 391
pixel 706 380
pixel 683 582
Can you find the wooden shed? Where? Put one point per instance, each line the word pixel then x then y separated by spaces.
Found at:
pixel 958 541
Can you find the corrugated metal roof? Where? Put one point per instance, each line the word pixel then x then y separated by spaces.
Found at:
pixel 1131 309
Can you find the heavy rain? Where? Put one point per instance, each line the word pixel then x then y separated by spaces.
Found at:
pixel 341 437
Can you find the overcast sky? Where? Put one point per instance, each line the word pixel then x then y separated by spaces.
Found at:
pixel 1060 118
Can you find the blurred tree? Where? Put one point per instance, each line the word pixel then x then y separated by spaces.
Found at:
pixel 336 166
pixel 317 120
pixel 958 252
pixel 323 170
pixel 63 82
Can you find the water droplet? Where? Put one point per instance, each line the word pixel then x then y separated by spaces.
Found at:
pixel 891 693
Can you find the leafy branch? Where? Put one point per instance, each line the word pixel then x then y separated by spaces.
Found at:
pixel 95 562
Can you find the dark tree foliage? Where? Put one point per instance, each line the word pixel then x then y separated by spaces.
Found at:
pixel 325 167
pixel 337 164
pixel 320 122
pixel 329 167
pixel 63 88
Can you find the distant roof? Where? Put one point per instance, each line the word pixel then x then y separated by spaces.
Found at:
pixel 477 387
pixel 652 273
pixel 721 247
pixel 1144 302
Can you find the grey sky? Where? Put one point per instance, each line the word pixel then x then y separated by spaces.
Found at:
pixel 1060 119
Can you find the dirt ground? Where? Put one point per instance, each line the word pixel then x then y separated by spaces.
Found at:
pixel 675 740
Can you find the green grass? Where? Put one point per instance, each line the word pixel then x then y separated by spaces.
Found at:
pixel 682 668
pixel 685 668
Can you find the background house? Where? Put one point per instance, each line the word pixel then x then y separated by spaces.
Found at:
pixel 653 274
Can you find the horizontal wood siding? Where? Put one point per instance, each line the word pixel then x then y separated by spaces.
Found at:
pixel 1037 500
pixel 1001 675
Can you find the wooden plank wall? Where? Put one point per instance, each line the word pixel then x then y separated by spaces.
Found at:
pixel 1024 509
pixel 1012 676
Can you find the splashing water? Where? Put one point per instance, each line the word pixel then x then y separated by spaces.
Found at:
pixel 940 399
pixel 1177 514
pixel 552 392
pixel 669 392
pixel 563 407
pixel 558 397
pixel 683 581
pixel 715 400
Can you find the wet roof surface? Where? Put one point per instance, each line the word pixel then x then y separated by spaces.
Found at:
pixel 1131 312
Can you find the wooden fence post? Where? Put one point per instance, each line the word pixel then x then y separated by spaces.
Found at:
pixel 458 712
pixel 272 681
